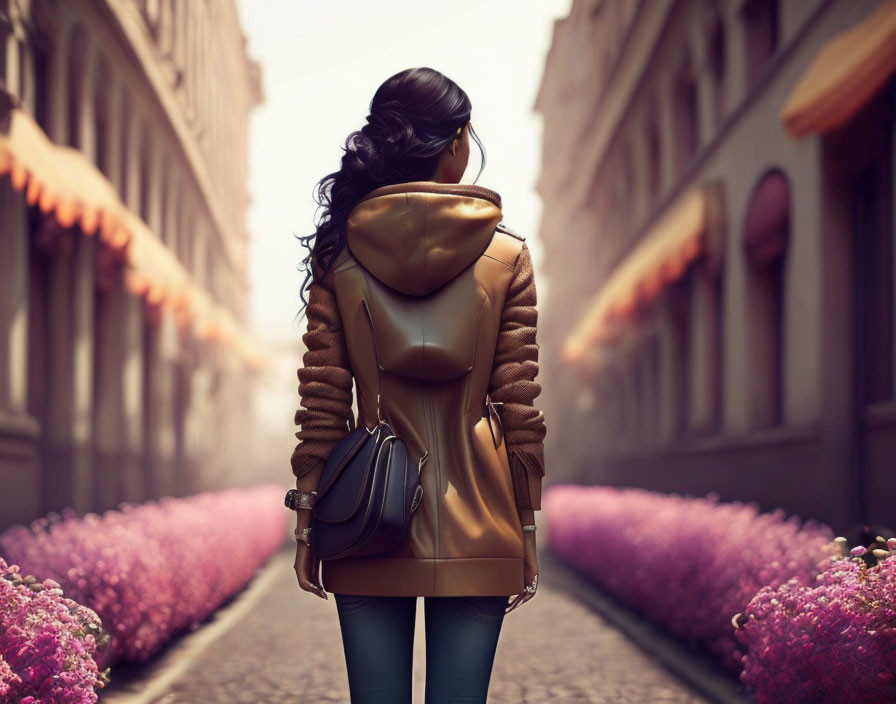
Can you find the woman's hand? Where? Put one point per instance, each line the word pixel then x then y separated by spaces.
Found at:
pixel 307 568
pixel 530 569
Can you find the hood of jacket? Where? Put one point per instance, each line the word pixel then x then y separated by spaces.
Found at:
pixel 415 237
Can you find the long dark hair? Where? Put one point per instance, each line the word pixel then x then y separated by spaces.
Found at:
pixel 414 116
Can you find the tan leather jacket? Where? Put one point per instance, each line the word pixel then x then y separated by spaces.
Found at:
pixel 432 305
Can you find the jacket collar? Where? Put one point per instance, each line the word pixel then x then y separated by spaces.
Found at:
pixel 415 237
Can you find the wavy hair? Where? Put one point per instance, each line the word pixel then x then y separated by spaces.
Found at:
pixel 414 116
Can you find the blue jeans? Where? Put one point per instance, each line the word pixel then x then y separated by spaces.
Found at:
pixel 378 638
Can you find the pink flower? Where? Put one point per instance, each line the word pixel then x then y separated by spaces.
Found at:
pixel 687 563
pixel 146 572
pixel 834 640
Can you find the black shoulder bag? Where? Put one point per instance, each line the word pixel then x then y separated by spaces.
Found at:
pixel 368 491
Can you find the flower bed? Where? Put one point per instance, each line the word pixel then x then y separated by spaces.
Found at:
pixel 687 563
pixel 153 570
pixel 47 643
pixel 833 641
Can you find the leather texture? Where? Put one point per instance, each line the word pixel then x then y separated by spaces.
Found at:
pixel 420 289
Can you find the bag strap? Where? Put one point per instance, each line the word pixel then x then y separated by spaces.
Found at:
pixel 379 378
pixel 376 351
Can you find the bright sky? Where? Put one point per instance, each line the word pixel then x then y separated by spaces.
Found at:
pixel 321 64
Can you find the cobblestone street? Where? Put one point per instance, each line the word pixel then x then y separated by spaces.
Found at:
pixel 551 649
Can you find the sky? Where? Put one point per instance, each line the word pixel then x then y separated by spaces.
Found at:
pixel 322 62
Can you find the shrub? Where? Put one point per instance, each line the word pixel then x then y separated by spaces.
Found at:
pixel 687 563
pixel 155 569
pixel 833 641
pixel 47 643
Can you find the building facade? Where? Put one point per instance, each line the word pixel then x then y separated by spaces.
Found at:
pixel 718 238
pixel 125 369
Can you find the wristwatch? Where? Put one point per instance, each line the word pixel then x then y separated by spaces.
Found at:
pixel 296 499
pixel 303 535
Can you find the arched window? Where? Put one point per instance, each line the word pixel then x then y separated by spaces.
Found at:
pixel 765 238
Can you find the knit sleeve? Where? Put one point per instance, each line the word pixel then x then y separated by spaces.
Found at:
pixel 325 387
pixel 513 384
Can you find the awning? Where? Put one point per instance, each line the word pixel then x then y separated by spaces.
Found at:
pixel 57 178
pixel 63 183
pixel 844 74
pixel 660 258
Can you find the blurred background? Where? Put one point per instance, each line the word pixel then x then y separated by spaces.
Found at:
pixel 707 187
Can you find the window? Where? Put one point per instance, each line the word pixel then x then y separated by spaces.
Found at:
pixel 124 148
pixel 715 354
pixel 615 403
pixel 145 173
pixel 685 100
pixel 165 221
pixel 872 235
pixel 635 368
pixel 175 237
pixel 761 27
pixel 679 299
pixel 715 51
pixel 766 234
pixel 40 340
pixel 101 118
pixel 75 85
pixel 705 410
pixel 5 38
pixel 42 50
pixel 679 318
pixel 654 156
pixel 150 407
pixel 23 88
pixel 653 364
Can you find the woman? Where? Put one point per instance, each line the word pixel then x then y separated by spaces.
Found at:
pixel 426 301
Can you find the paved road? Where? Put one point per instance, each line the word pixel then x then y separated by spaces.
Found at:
pixel 276 643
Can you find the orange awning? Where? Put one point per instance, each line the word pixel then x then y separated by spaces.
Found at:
pixel 660 257
pixel 61 181
pixel 844 74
